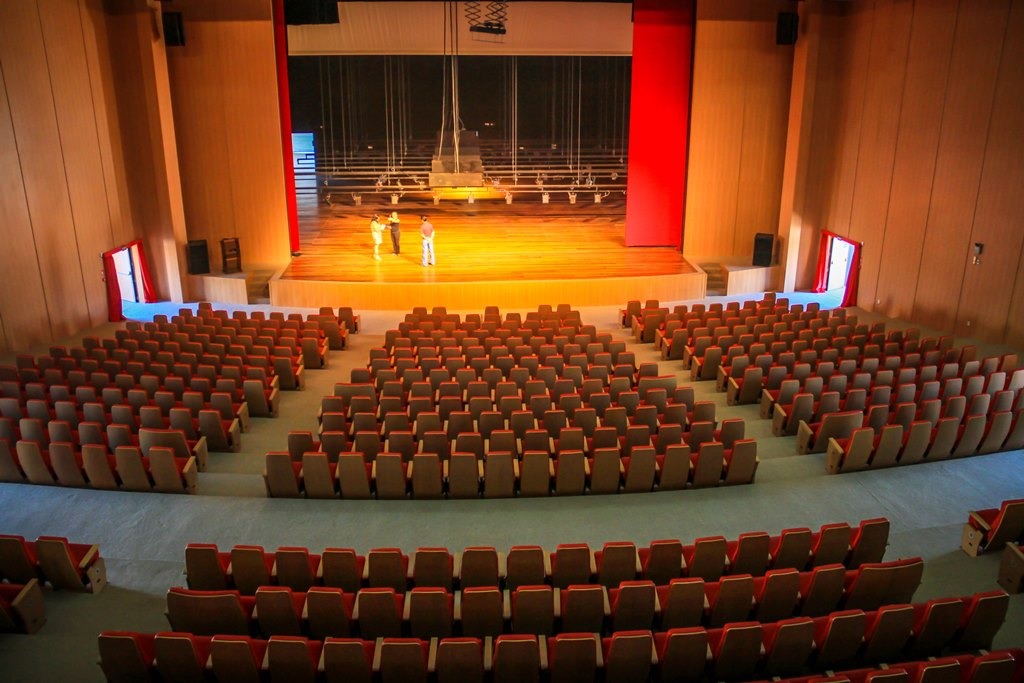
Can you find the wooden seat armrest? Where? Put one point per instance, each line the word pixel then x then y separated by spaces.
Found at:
pixel 432 656
pixel 978 521
pixel 89 557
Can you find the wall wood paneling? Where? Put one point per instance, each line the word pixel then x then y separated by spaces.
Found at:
pixel 59 199
pixel 738 127
pixel 227 124
pixel 917 153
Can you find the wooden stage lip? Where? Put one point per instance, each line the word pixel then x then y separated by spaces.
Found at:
pixel 402 296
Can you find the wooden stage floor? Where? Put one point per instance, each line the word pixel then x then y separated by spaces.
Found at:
pixel 484 251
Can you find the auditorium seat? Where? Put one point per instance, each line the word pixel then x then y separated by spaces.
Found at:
pixel 21 607
pixel 990 529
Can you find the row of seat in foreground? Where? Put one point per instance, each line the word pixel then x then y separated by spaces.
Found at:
pixel 736 652
pixel 246 567
pixel 542 610
pixel 500 474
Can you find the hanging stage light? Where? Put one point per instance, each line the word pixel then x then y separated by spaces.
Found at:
pixel 492 22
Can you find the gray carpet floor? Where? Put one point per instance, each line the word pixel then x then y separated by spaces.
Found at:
pixel 142 536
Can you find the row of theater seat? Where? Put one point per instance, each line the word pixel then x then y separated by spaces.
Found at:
pixel 232 397
pixel 712 355
pixel 123 424
pixel 247 567
pixel 1001 666
pixel 540 609
pixel 501 474
pixel 865 448
pixel 784 647
pixel 93 466
pixel 344 319
pixel 814 431
pixel 880 404
pixel 218 417
pixel 52 560
pixel 582 428
pixel 281 358
pixel 108 439
pixel 625 657
pixel 139 353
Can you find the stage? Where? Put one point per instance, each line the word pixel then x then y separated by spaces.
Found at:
pixel 520 254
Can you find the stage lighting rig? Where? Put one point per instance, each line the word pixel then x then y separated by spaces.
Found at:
pixel 490 21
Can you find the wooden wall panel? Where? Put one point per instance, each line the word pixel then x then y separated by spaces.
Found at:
pixel 108 128
pixel 763 138
pixel 886 68
pixel 83 168
pixel 146 131
pixel 254 141
pixel 966 113
pixel 852 75
pixel 23 307
pixel 928 58
pixel 201 129
pixel 35 124
pixel 829 98
pixel 999 216
pixel 227 126
pixel 716 121
pixel 738 128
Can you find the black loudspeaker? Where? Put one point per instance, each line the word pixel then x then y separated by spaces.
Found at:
pixel 764 245
pixel 174 29
pixel 786 28
pixel 198 255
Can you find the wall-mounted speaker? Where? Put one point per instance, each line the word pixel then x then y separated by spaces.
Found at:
pixel 174 29
pixel 764 245
pixel 786 26
pixel 197 254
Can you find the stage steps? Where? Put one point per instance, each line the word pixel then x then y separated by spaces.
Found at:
pixel 716 278
pixel 258 286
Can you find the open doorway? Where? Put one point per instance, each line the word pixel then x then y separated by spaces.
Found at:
pixel 841 254
pixel 127 278
pixel 124 264
pixel 838 266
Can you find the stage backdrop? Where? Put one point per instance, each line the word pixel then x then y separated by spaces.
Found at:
pixel 659 118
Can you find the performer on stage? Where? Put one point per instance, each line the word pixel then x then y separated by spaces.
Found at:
pixel 396 232
pixel 427 236
pixel 377 231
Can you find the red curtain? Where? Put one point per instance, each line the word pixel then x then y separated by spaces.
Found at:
pixel 852 275
pixel 285 108
pixel 659 120
pixel 148 291
pixel 821 277
pixel 114 311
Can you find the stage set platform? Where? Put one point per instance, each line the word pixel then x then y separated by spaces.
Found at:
pixel 520 254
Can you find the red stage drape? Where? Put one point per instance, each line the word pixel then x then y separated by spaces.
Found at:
pixel 852 275
pixel 821 277
pixel 114 312
pixel 148 291
pixel 659 121
pixel 285 106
